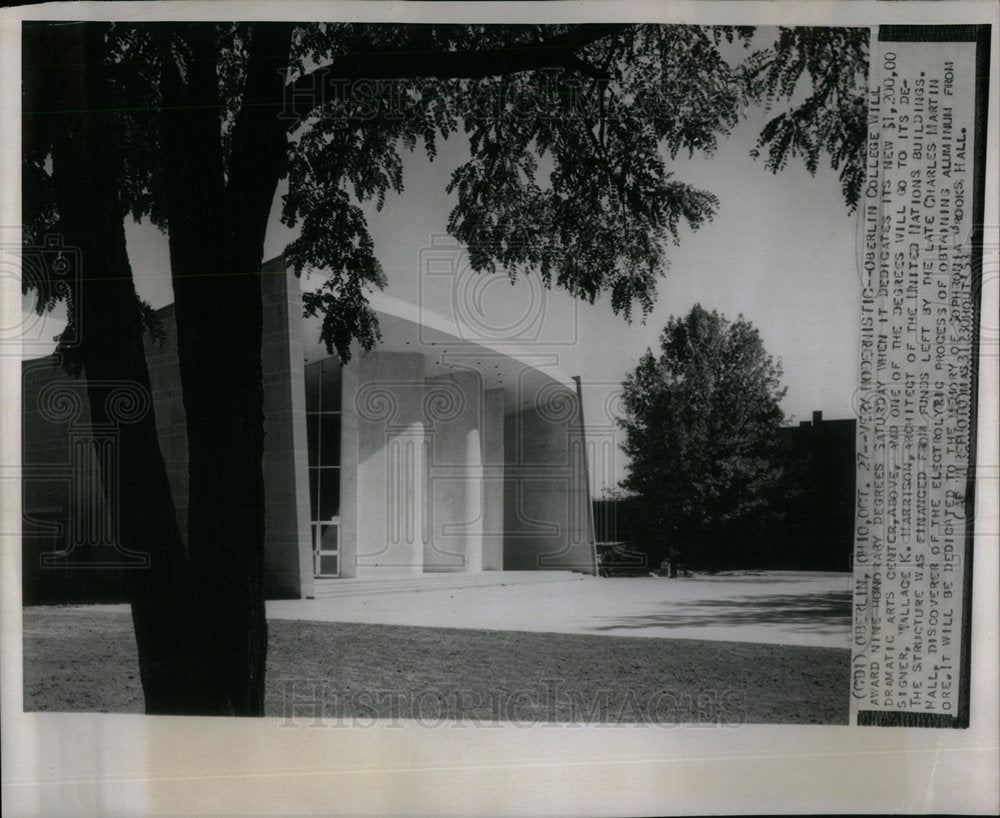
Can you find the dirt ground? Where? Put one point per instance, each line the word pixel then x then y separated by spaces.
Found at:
pixel 84 659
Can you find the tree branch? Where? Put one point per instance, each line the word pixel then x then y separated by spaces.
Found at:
pixel 310 90
pixel 259 142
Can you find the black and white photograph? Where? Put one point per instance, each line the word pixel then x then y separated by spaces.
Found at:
pixel 514 408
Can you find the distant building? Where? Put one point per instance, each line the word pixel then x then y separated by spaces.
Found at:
pixel 432 453
pixel 819 529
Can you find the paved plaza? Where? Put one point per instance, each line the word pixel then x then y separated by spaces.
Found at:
pixel 786 608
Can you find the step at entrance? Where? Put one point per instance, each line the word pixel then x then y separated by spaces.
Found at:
pixel 328 588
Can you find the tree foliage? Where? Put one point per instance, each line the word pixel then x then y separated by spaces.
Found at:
pixel 571 131
pixel 824 70
pixel 701 431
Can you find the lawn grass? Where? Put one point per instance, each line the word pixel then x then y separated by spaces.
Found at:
pixel 85 660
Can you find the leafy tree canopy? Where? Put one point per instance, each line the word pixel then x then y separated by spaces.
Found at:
pixel 571 130
pixel 701 431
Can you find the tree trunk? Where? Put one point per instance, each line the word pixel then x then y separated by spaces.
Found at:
pixel 86 173
pixel 216 247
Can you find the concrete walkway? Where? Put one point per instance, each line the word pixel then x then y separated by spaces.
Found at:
pixel 788 608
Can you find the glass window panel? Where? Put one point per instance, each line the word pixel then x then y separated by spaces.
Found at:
pixel 312 387
pixel 330 391
pixel 330 440
pixel 329 494
pixel 312 433
pixel 313 492
pixel 329 539
pixel 328 565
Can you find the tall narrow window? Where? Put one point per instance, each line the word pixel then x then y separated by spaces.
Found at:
pixel 323 380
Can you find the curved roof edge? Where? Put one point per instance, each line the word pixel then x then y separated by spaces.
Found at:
pixel 438 324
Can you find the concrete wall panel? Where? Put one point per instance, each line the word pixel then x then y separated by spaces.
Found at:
pixel 547 516
pixel 383 421
pixel 453 413
pixel 288 567
pixel 492 436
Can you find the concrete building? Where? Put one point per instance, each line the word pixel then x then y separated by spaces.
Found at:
pixel 432 453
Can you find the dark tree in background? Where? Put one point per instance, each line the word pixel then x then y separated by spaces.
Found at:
pixel 701 432
pixel 571 130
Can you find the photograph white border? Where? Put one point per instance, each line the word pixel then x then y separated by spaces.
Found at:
pixel 70 764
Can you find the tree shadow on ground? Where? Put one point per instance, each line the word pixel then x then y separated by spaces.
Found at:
pixel 827 613
pixel 769 578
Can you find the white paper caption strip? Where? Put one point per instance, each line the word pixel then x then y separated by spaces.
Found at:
pixel 915 401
